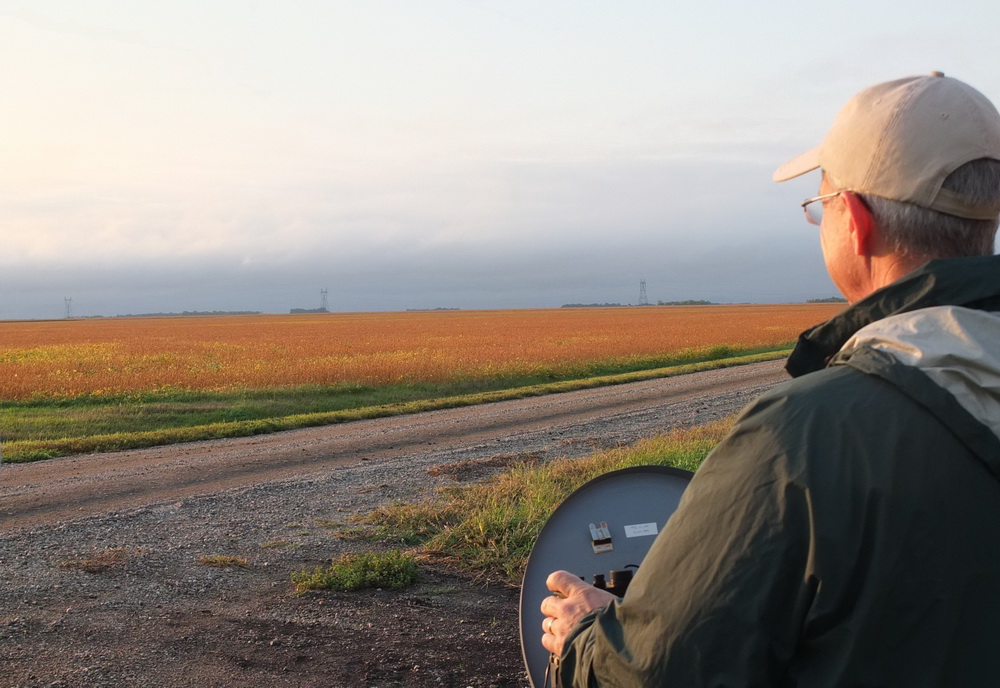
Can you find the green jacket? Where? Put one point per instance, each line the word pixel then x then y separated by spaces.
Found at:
pixel 847 531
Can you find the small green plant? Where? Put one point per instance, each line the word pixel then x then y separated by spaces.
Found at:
pixel 274 544
pixel 224 561
pixel 392 570
pixel 100 562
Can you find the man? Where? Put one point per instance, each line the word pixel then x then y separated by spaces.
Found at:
pixel 847 531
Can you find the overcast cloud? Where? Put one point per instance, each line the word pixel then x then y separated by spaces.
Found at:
pixel 224 155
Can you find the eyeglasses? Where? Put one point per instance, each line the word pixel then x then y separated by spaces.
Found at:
pixel 814 210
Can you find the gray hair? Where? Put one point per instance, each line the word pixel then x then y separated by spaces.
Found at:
pixel 917 232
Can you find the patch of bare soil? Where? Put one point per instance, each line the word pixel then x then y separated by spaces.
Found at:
pixel 130 600
pixel 446 631
pixel 476 469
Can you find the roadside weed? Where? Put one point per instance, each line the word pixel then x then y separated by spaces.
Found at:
pixel 100 562
pixel 390 570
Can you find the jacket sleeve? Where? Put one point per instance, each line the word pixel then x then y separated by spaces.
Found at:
pixel 721 596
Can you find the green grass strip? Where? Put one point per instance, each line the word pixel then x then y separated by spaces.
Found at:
pixel 79 425
pixel 489 528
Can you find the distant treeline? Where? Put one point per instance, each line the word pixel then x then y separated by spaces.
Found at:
pixel 439 308
pixel 689 302
pixel 186 313
pixel 296 311
pixel 591 305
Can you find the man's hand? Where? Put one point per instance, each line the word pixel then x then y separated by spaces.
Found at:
pixel 572 600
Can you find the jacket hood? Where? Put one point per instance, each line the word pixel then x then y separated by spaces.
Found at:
pixel 972 283
pixel 946 344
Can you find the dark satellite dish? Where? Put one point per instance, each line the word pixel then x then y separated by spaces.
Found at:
pixel 606 526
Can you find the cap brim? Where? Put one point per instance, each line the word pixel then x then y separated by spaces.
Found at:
pixel 807 162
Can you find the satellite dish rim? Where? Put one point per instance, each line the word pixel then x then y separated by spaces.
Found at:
pixel 586 487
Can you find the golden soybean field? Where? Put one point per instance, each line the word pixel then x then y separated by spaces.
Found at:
pixel 97 357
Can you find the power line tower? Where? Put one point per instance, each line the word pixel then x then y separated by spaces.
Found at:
pixel 323 305
pixel 69 307
pixel 643 301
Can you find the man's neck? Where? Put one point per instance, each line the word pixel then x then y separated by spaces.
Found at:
pixel 887 269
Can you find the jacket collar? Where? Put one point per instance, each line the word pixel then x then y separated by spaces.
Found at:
pixel 968 282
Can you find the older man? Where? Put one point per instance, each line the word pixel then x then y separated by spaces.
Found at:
pixel 847 531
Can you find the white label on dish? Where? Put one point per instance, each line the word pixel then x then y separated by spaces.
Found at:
pixel 640 530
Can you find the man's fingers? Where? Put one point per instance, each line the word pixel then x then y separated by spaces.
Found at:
pixel 552 606
pixel 551 643
pixel 570 601
pixel 563 582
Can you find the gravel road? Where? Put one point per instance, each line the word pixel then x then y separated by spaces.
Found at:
pixel 100 554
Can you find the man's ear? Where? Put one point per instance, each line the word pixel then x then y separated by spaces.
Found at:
pixel 861 224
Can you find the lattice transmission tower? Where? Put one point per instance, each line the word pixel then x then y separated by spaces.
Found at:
pixel 323 304
pixel 643 301
pixel 69 307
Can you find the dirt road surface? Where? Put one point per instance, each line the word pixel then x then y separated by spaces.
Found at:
pixel 100 555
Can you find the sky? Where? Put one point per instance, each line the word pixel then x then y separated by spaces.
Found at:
pixel 220 155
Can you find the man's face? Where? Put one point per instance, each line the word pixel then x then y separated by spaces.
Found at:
pixel 835 240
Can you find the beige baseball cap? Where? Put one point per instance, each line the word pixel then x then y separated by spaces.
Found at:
pixel 900 139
